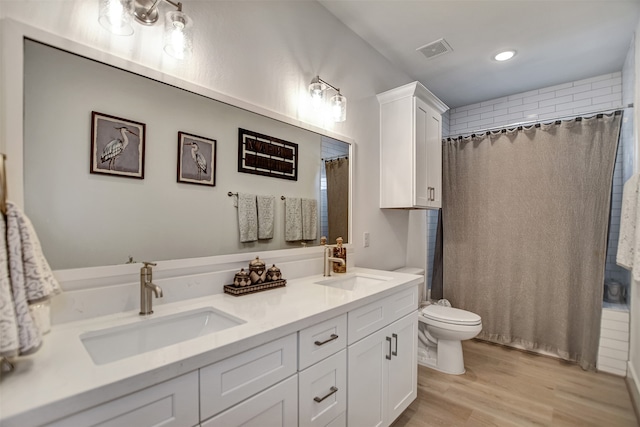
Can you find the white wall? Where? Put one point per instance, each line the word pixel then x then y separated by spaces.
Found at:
pixel 266 53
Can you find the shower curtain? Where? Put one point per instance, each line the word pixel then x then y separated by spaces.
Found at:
pixel 525 218
pixel 337 172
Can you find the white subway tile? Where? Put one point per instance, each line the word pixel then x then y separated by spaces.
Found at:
pixel 507 119
pixel 539 97
pixel 592 93
pixel 494 113
pixel 614 354
pixel 616 89
pixel 614 344
pixel 614 325
pixel 574 104
pixel 556 100
pixel 538 111
pixel 612 366
pixel 476 125
pixel 614 97
pixel 608 83
pixel 617 316
pixel 468 107
pixel 468 119
pixel 574 89
pixel 558 113
pixel 523 107
pixel 594 107
pixel 481 110
pixel 554 88
pixel 508 104
pixel 455 115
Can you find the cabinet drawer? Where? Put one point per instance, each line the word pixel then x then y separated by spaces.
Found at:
pixel 319 341
pixel 325 381
pixel 232 380
pixel 274 407
pixel 339 421
pixel 368 319
pixel 173 403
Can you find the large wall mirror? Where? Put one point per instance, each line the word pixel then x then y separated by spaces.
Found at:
pixel 86 219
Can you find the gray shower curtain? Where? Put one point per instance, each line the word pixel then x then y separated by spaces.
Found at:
pixel 337 172
pixel 525 218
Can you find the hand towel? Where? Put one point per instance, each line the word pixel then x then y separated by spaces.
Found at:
pixel 628 255
pixel 309 219
pixel 247 217
pixel 266 209
pixel 26 270
pixel 292 219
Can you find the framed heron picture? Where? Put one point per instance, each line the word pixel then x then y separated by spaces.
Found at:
pixel 196 159
pixel 117 146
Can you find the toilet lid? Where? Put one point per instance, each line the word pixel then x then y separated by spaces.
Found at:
pixel 451 315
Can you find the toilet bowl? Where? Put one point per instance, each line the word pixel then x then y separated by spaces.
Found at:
pixel 445 328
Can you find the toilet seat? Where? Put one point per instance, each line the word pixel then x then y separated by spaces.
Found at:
pixel 450 315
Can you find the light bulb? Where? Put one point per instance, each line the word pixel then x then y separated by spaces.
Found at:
pixel 177 35
pixel 339 108
pixel 505 56
pixel 115 16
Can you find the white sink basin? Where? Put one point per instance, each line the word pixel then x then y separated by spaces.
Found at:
pixel 352 282
pixel 109 345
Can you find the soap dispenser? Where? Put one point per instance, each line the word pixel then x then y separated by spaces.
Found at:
pixel 340 252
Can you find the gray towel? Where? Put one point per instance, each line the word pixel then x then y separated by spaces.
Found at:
pixel 266 209
pixel 292 219
pixel 247 217
pixel 309 219
pixel 25 278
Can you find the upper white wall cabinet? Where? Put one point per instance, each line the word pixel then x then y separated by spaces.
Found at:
pixel 410 148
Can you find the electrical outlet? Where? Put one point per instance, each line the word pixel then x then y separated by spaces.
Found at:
pixel 366 239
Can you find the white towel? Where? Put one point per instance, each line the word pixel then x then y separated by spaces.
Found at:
pixel 266 209
pixel 247 217
pixel 309 219
pixel 292 219
pixel 25 278
pixel 629 241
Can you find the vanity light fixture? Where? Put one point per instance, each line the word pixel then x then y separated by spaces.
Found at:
pixel 116 16
pixel 504 56
pixel 337 103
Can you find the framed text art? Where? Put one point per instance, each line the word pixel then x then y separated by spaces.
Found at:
pixel 265 155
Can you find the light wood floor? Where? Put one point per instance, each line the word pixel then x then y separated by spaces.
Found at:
pixel 506 387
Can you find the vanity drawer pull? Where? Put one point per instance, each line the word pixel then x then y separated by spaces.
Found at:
pixel 395 353
pixel 333 337
pixel 320 399
pixel 388 356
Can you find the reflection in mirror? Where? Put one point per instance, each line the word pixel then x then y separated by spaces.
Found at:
pixel 86 220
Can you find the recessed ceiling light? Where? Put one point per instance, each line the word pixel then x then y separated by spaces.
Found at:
pixel 505 56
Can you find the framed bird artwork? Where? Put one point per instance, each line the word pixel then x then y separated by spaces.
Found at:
pixel 117 146
pixel 196 159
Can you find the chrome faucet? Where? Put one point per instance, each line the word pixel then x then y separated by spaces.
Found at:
pixel 146 288
pixel 329 260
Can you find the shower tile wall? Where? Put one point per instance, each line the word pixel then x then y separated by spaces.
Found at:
pixel 330 148
pixel 572 98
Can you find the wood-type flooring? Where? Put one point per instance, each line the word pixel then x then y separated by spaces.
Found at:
pixel 508 387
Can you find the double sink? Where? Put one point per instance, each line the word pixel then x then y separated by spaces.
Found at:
pixel 116 343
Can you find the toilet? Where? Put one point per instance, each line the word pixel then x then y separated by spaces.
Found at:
pixel 445 328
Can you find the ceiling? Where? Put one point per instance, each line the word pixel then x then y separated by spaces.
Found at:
pixel 557 41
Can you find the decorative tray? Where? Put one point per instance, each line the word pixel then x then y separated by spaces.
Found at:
pixel 252 289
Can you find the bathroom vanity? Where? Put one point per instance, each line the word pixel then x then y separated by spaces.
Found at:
pixel 320 352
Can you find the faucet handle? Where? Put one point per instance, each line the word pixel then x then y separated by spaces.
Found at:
pixel 147 264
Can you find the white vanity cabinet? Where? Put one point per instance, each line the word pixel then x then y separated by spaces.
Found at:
pixel 173 403
pixel 382 366
pixel 410 148
pixel 322 377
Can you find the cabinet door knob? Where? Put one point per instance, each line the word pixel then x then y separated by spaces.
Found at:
pixel 395 353
pixel 388 356
pixel 332 391
pixel 333 337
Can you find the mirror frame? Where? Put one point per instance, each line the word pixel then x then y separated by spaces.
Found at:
pixel 12 135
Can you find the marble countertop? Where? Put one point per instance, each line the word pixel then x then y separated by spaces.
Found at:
pixel 61 378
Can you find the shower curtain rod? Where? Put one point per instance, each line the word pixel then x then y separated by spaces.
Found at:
pixel 328 159
pixel 533 122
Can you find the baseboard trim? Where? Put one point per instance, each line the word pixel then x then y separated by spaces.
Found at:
pixel 632 386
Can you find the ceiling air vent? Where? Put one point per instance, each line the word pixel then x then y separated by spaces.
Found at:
pixel 436 48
